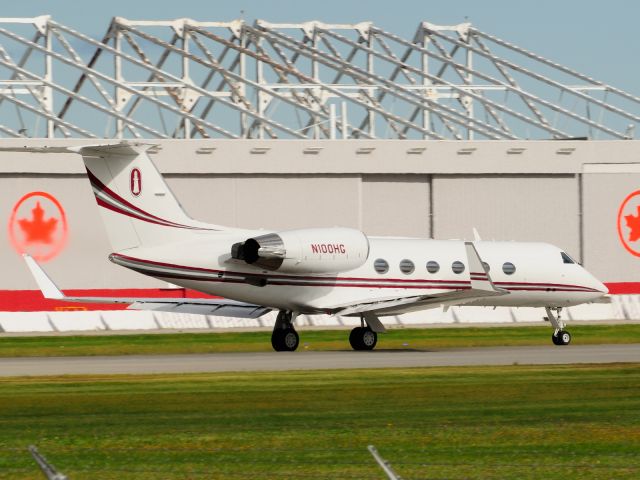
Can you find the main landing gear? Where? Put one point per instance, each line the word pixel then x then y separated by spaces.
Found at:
pixel 362 337
pixel 284 337
pixel 560 335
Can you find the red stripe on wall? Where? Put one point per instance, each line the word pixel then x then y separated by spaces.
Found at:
pixel 623 288
pixel 33 301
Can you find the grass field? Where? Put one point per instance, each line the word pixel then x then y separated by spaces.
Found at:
pixel 493 422
pixel 411 338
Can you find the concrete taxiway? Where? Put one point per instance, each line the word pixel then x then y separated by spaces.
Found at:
pixel 306 360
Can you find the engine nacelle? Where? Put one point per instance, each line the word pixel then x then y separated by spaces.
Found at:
pixel 312 250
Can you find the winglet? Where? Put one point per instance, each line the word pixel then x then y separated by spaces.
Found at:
pixel 46 285
pixel 480 279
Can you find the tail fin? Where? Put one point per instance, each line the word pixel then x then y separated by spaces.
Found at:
pixel 137 206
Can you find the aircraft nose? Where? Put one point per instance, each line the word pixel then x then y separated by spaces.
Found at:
pixel 597 284
pixel 602 288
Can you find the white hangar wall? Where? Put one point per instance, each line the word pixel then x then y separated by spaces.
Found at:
pixel 509 207
pixel 567 193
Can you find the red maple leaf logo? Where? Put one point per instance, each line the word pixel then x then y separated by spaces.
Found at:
pixel 633 222
pixel 38 229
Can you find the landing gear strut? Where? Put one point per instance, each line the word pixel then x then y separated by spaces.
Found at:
pixel 560 335
pixel 362 337
pixel 284 337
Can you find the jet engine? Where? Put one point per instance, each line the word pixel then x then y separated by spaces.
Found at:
pixel 313 250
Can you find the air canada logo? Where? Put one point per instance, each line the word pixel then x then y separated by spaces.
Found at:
pixel 135 182
pixel 629 223
pixel 38 226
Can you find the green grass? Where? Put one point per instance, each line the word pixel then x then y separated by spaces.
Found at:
pixel 411 338
pixel 492 422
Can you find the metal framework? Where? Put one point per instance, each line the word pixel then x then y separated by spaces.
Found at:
pixel 191 79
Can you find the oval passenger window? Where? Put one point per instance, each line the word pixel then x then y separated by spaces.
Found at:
pixel 381 266
pixel 457 267
pixel 406 266
pixel 433 267
pixel 509 268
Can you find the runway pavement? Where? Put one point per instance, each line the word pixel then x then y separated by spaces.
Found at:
pixel 306 360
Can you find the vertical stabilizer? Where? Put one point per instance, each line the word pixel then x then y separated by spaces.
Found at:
pixel 137 206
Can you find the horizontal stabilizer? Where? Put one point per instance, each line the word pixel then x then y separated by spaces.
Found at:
pixel 45 284
pixel 203 306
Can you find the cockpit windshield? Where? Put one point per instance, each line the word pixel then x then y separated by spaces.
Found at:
pixel 566 258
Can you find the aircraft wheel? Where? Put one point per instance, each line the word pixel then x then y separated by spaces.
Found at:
pixel 363 338
pixel 286 340
pixel 562 338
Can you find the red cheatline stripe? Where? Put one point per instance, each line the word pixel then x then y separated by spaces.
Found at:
pixel 337 283
pixel 368 281
pixel 269 276
pixel 33 301
pixel 186 276
pixel 333 282
pixel 551 285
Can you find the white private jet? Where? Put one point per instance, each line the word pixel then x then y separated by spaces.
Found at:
pixel 334 271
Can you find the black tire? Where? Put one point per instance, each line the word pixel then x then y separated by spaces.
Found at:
pixel 363 338
pixel 276 340
pixel 355 338
pixel 286 340
pixel 564 337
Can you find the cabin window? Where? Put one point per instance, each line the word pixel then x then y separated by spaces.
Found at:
pixel 566 258
pixel 406 266
pixel 508 268
pixel 486 266
pixel 381 266
pixel 433 267
pixel 457 267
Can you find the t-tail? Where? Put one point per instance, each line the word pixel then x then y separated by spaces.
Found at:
pixel 137 206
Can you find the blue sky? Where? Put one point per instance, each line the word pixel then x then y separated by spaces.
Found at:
pixel 596 38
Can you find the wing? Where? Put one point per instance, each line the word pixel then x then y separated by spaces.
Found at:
pixel 221 307
pixel 481 287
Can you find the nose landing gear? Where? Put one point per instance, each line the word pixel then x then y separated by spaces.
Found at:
pixel 560 335
pixel 561 338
